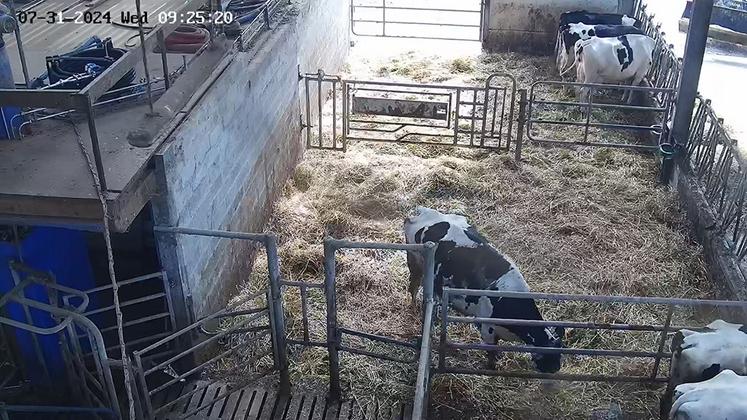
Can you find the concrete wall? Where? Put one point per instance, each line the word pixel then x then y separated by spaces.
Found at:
pixel 531 25
pixel 230 157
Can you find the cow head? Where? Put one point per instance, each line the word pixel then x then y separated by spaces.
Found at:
pixel 550 337
pixel 582 30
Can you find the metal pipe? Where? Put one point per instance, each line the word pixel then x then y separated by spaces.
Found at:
pixel 19 44
pixel 93 134
pixel 141 33
pixel 256 237
pixel 278 320
pixel 164 58
pixel 662 342
pixel 555 350
pixel 697 37
pixel 374 337
pixel 321 106
pixel 336 244
pixel 552 376
pixel 375 355
pixel 420 403
pixel 333 335
pixel 565 324
pixel 598 298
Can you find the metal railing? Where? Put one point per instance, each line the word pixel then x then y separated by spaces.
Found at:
pixel 715 160
pixel 90 381
pixel 148 313
pixel 397 112
pixel 396 19
pixel 335 331
pixel 594 119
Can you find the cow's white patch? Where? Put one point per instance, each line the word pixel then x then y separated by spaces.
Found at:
pixel 425 217
pixel 513 281
pixel 725 345
pixel 583 30
pixel 627 20
pixel 722 397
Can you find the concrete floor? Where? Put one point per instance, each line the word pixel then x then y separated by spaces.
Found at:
pixel 724 68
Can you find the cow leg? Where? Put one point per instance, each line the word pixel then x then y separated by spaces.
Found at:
pixel 636 82
pixel 415 264
pixel 492 358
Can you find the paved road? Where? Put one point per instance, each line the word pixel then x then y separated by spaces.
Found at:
pixel 724 75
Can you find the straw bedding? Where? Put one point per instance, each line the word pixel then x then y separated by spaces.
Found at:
pixel 589 221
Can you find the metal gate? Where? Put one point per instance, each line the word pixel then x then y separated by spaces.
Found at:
pixel 557 117
pixel 422 19
pixel 382 111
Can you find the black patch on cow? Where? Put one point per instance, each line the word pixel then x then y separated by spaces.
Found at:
pixel 743 328
pixel 419 235
pixel 435 232
pixel 625 54
pixel 474 300
pixel 490 330
pixel 592 32
pixel 590 18
pixel 711 372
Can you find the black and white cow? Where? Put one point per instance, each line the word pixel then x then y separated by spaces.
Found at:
pixel 699 356
pixel 581 31
pixel 723 397
pixel 625 59
pixel 589 18
pixel 466 260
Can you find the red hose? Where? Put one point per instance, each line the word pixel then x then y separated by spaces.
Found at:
pixel 185 39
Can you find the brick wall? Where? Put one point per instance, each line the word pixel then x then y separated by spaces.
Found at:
pixel 231 156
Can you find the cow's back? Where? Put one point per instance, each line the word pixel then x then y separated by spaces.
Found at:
pixel 601 57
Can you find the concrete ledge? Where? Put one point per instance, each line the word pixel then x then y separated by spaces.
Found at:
pixel 719 33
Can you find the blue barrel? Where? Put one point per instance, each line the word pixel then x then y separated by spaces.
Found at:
pixel 64 253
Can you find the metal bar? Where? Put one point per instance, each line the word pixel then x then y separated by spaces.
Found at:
pixel 602 86
pixel 96 148
pixel 302 284
pixel 140 377
pixel 419 37
pixel 420 402
pixel 566 324
pixel 277 319
pixel 345 115
pixel 383 17
pixel 305 312
pixel 321 106
pixel 333 334
pixel 164 57
pixel 555 350
pixel 552 376
pixel 198 346
pixel 521 125
pixel 401 22
pixel 308 113
pixel 597 298
pixel 144 50
pixel 442 349
pixel 590 100
pixel 374 337
pixel 697 37
pixel 135 322
pixel 581 143
pixel 429 9
pixel 662 342
pixel 200 366
pixel 19 44
pixel 127 303
pixel 598 125
pixel 375 355
pixel 603 105
pixel 334 114
pixel 473 117
pixel 126 282
pixel 256 237
pixel 20 291
pixel 307 343
pixel 336 244
pixel 410 92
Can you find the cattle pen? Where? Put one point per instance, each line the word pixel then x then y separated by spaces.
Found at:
pixel 586 221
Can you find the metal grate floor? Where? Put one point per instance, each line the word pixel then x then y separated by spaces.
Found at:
pixel 261 404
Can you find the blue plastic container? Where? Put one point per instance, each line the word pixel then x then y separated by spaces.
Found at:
pixel 64 253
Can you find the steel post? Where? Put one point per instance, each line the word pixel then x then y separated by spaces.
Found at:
pixel 697 36
pixel 521 122
pixel 333 334
pixel 278 327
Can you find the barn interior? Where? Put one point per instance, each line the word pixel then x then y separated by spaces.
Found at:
pixel 248 256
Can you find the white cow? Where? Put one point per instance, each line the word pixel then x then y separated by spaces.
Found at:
pixel 624 59
pixel 721 398
pixel 698 356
